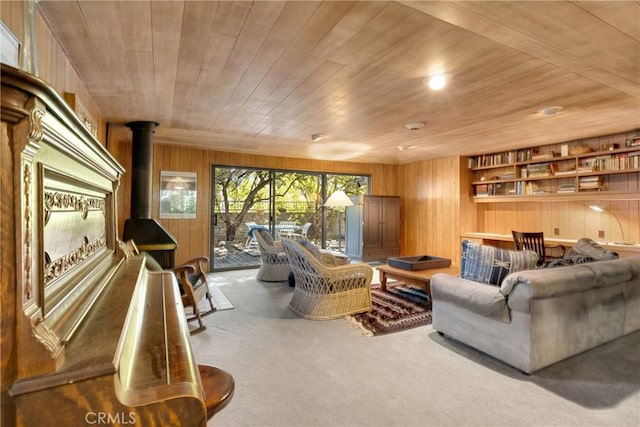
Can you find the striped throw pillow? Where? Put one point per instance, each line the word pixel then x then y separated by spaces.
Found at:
pixel 490 265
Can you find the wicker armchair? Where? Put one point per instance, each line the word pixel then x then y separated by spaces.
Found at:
pixel 274 266
pixel 327 291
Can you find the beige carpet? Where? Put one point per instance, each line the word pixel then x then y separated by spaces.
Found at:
pixel 295 372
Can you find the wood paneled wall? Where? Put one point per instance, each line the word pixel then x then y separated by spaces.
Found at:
pixel 573 220
pixel 54 67
pixel 193 235
pixel 436 205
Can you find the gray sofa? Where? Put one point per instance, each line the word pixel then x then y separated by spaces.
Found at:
pixel 538 317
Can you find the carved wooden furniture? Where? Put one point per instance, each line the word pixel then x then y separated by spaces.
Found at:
pixel 327 291
pixel 88 332
pixel 193 284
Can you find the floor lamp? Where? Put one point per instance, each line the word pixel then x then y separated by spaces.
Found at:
pixel 338 200
pixel 599 208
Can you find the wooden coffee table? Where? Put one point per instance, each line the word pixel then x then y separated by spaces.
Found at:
pixel 419 277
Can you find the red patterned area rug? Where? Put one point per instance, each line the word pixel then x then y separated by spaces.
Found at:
pixel 398 308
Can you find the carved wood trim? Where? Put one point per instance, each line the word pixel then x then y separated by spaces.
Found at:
pixel 28 281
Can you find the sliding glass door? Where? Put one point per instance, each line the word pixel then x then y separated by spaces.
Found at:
pixel 241 198
pixel 298 206
pixel 288 203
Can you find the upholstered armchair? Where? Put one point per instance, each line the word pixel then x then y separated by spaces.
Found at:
pixel 325 290
pixel 274 265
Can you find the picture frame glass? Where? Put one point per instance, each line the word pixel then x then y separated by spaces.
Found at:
pixel 178 194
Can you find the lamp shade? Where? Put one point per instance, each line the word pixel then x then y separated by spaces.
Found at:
pixel 338 199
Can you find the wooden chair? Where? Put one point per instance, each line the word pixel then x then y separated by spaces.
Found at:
pixel 192 280
pixel 533 241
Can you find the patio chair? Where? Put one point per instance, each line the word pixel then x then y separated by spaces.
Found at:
pixel 303 232
pixel 324 291
pixel 250 243
pixel 285 229
pixel 274 264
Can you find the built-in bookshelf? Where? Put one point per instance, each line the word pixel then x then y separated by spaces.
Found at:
pixel 602 167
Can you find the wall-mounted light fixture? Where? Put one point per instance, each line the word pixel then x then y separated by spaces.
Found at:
pixel 599 208
pixel 316 137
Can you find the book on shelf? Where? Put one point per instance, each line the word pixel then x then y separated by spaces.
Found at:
pixel 584 169
pixel 482 190
pixel 508 175
pixel 567 188
pixel 540 169
pixel 567 172
pixel 526 155
pixel 488 160
pixel 543 156
pixel 589 182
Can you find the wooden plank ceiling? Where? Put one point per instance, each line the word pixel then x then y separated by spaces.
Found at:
pixel 261 77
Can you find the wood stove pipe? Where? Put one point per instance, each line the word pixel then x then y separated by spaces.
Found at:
pixel 142 167
pixel 145 231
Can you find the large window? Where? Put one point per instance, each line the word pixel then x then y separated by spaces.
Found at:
pixel 289 203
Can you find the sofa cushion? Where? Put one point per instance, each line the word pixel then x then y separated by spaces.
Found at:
pixel 585 250
pixel 486 301
pixel 490 265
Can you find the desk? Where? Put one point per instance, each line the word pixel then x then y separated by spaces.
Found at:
pixel 506 241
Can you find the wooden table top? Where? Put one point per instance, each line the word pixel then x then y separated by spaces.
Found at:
pixel 417 274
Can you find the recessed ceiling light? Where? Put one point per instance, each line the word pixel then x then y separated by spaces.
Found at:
pixel 436 82
pixel 549 111
pixel 414 125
